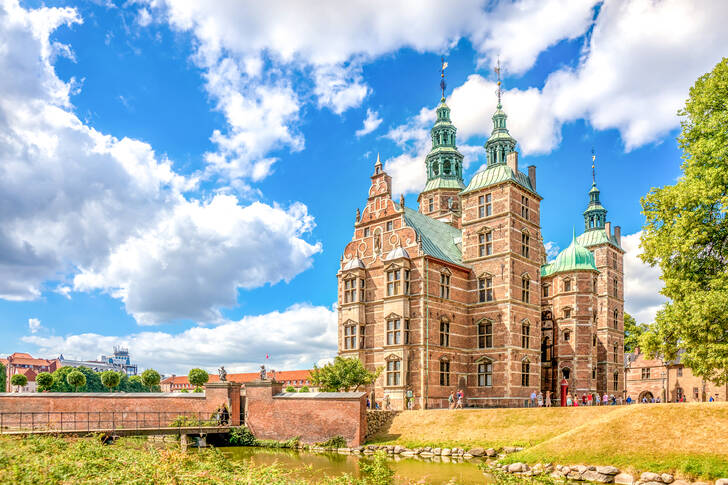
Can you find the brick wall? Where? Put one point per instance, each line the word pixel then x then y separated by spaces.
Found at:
pixel 314 417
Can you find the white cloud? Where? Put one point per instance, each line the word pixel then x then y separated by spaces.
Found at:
pixel 144 18
pixel 295 338
pixel 371 123
pixel 112 212
pixel 642 282
pixel 339 88
pixel 552 250
pixel 34 325
pixel 193 261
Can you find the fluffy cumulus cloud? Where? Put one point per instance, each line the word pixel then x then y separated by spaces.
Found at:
pixel 78 201
pixel 642 282
pixel 34 325
pixel 295 338
pixel 371 123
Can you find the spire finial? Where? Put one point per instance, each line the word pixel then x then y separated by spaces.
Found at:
pixel 498 76
pixel 594 172
pixel 379 161
pixel 442 75
pixel 573 235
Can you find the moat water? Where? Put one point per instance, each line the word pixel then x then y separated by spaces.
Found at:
pixel 314 466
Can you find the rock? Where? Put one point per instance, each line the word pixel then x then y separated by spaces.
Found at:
pixel 595 476
pixel 580 468
pixel 624 479
pixel 574 475
pixel 436 451
pixel 721 481
pixel 509 449
pixel 368 451
pixel 607 470
pixel 467 456
pixel 682 482
pixel 490 452
pixel 427 448
pixel 427 454
pixel 398 449
pixel 667 478
pixel 650 477
pixel 344 450
pixel 565 469
pixel 446 452
pixel 515 467
pixel 407 453
pixel 700 483
pixel 481 452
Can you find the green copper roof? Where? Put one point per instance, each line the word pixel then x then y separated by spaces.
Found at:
pixel 443 183
pixel 495 174
pixel 574 258
pixel 594 237
pixel 439 240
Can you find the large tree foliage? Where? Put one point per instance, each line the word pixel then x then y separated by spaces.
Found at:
pixel 76 379
pixel 342 375
pixel 151 378
pixel 110 379
pixel 632 332
pixel 18 380
pixel 3 376
pixel 686 234
pixel 44 380
pixel 198 377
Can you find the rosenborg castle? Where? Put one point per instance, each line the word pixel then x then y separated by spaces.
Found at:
pixel 457 294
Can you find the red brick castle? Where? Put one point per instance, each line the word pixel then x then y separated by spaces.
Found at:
pixel 458 294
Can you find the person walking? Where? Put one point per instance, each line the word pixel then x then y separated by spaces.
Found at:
pixel 459 403
pixel 589 399
pixel 451 400
pixel 605 399
pixel 533 399
pixel 540 399
pixel 548 399
pixel 569 400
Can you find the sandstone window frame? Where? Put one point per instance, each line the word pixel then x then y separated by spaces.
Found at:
pixel 567 312
pixel 679 371
pixel 484 331
pixel 616 319
pixel 393 371
pixel 445 283
pixel 485 288
pixel 444 332
pixel 366 232
pixel 595 283
pixel 567 284
pixel 484 370
pixel 485 242
pixel 567 335
pixel 362 336
pixel 615 378
pixel 615 350
pixel 525 243
pixel 524 207
pixel 431 204
pixel 545 290
pixel 485 205
pixel 444 371
pixel 393 330
pixel 395 276
pixel 645 373
pixel 525 288
pixel 350 332
pixel 349 284
pixel 616 288
pixel 525 372
pixel 525 334
pixel 390 226
pixel 406 332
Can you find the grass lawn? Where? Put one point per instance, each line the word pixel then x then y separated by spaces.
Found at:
pixel 690 439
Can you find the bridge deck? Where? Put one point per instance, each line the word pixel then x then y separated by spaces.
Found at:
pixel 125 431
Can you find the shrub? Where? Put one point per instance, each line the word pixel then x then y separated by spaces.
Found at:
pixel 335 442
pixel 377 471
pixel 198 389
pixel 304 389
pixel 242 436
pixel 290 389
pixel 185 391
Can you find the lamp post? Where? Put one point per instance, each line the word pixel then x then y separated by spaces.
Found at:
pixel 664 388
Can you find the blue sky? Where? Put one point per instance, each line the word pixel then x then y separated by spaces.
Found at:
pixel 182 180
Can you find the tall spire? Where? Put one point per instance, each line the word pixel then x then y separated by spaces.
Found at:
pixel 444 163
pixel 500 143
pixel 595 215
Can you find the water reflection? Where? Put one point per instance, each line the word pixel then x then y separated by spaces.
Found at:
pixel 434 471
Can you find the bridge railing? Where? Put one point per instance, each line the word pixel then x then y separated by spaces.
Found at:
pixel 105 421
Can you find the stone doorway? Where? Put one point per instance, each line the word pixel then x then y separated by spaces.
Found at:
pixel 647 395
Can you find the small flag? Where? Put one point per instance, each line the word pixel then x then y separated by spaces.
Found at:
pixel 444 65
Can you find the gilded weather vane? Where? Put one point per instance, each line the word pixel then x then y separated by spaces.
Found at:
pixel 442 76
pixel 594 172
pixel 498 75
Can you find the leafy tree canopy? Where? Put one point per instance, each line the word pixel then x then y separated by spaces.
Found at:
pixel 76 378
pixel 198 377
pixel 18 380
pixel 342 375
pixel 44 380
pixel 151 378
pixel 110 379
pixel 686 234
pixel 632 332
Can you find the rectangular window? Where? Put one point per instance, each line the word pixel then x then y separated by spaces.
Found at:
pixel 407 332
pixel 485 289
pixel 389 225
pixel 350 291
pixel 444 286
pixel 524 244
pixel 525 289
pixel 567 336
pixel 485 374
pixel 594 373
pixel 525 371
pixel 679 371
pixel 394 332
pixel 616 381
pixel 567 285
pixel 361 290
pixel 393 282
pixel 350 337
pixel 616 288
pixel 361 337
pixel 481 206
pixel 431 204
pixel 393 372
pixel 525 335
pixel 406 282
pixel 615 349
pixel 366 232
pixel 485 208
pixel 524 207
pixel 485 335
pixel 445 334
pixel 444 373
pixel 545 291
pixel 485 244
pixel 567 312
pixel 645 373
pixel 696 393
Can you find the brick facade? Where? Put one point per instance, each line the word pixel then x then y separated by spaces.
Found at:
pixel 451 297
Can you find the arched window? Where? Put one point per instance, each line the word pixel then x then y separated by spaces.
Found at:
pixel 616 318
pixel 565 373
pixel 567 336
pixel 485 334
pixel 446 167
pixel 525 288
pixel 525 371
pixel 616 288
pixel 444 372
pixel 485 373
pixel 393 372
pixel 525 334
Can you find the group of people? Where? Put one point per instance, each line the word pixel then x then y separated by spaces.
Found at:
pixel 586 399
pixel 455 400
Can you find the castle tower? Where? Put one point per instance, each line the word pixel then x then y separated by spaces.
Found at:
pixel 444 165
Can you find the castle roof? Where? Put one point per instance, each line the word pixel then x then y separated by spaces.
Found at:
pixel 397 253
pixel 353 264
pixel 596 237
pixel 574 258
pixel 495 174
pixel 439 240
pixel 443 183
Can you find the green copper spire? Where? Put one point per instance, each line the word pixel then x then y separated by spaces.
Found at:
pixel 595 215
pixel 500 143
pixel 444 163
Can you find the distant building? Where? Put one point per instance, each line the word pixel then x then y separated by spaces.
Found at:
pixel 667 381
pixel 120 358
pixel 295 378
pixel 94 365
pixel 22 363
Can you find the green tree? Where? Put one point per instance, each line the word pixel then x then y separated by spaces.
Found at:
pixel 151 379
pixel 76 379
pixel 198 378
pixel 632 332
pixel 3 376
pixel 290 389
pixel 135 384
pixel 305 389
pixel 18 380
pixel 342 375
pixel 686 234
pixel 44 380
pixel 110 379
